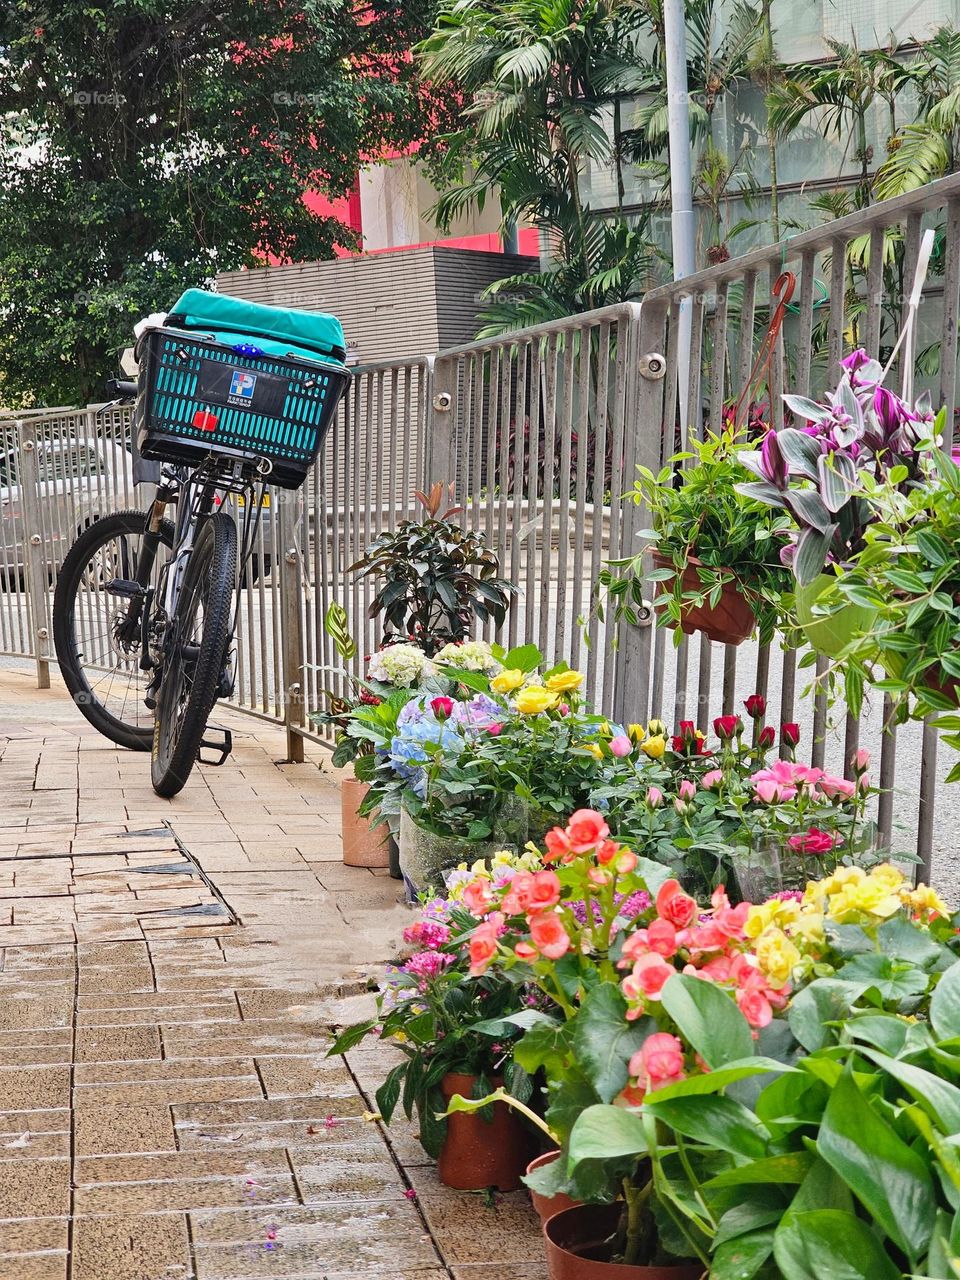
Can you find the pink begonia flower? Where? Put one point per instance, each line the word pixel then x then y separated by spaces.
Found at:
pixel 659 1062
pixel 586 829
pixel 548 935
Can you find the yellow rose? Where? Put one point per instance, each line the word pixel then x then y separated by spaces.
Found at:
pixel 593 749
pixel 507 681
pixel 777 956
pixel 534 699
pixel 656 729
pixel 636 732
pixel 654 747
pixel 565 681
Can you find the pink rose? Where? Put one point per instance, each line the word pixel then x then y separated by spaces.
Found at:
pixel 494 730
pixel 687 790
pixel 620 746
pixel 675 905
pixel 861 761
pixel 813 841
pixel 441 707
pixel 654 798
pixel 836 788
pixel 586 829
pixel 712 779
pixel 548 935
pixel 768 791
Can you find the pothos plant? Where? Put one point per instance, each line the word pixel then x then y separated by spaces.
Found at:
pixel 434 578
pixel 699 515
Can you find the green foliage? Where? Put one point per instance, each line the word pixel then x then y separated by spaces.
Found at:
pixel 435 578
pixel 147 146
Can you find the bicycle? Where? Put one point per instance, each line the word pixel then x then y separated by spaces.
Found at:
pixel 145 607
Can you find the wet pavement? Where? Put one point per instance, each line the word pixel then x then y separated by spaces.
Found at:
pixel 169 975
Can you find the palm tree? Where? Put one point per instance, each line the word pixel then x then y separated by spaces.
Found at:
pixel 841 95
pixel 930 146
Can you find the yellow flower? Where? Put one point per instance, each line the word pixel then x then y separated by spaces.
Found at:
pixel 593 749
pixel 870 896
pixel 777 956
pixel 759 918
pixel 888 875
pixel 636 732
pixel 656 729
pixel 808 926
pixel 534 699
pixel 507 681
pixel 565 681
pixel 654 747
pixel 923 898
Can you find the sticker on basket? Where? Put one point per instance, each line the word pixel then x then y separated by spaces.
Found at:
pixel 204 421
pixel 242 385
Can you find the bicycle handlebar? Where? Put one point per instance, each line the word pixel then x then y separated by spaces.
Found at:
pixel 122 387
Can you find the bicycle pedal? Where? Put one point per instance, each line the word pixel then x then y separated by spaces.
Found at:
pixel 128 588
pixel 224 747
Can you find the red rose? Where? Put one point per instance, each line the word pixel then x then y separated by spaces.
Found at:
pixel 441 707
pixel 727 727
pixel 768 736
pixel 756 706
pixel 790 733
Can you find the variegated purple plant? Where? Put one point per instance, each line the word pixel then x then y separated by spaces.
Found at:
pixel 815 471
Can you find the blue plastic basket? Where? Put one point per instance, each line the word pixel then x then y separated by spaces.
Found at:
pixel 198 396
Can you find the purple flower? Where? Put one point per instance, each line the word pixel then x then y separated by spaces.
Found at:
pixel 855 360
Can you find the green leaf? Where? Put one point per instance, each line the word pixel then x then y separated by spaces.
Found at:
pixel 716 1121
pixel 885 1031
pixel 525 658
pixel 933 548
pixel 606 1133
pixel 545 1045
pixel 894 979
pixel 433 1125
pixel 889 1178
pixel 826 1000
pixel 351 1037
pixel 791 1168
pixel 604 1041
pixel 904 940
pixel 826 1243
pixel 812 548
pixel 938 1097
pixel 388 1095
pixel 945 1005
pixel 743 1257
pixel 708 1019
pixel 714 1081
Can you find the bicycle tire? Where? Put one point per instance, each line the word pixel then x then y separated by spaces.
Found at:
pixel 190 686
pixel 69 640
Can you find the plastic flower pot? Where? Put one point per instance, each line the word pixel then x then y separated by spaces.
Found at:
pixel 364 845
pixel 547 1206
pixel 425 855
pixel 393 861
pixel 830 635
pixel 730 621
pixel 479 1153
pixel 575 1240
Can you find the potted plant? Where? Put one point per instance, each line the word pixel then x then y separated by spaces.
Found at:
pixel 829 1156
pixel 715 550
pixel 817 474
pixel 434 578
pixel 440 1016
pixel 909 573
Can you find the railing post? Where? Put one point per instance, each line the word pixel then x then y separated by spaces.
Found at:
pixel 291 619
pixel 440 456
pixel 642 444
pixel 34 558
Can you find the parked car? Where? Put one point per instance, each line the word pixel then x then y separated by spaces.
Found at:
pixel 79 479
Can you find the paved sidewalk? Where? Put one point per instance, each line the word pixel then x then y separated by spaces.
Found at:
pixel 169 973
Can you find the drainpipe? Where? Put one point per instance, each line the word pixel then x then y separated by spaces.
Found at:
pixel 682 222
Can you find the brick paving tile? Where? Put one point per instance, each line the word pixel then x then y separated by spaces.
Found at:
pixel 163 1078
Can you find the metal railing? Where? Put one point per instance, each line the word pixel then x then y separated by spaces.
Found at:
pixel 540 431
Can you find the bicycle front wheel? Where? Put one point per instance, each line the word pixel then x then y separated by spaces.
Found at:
pixel 195 653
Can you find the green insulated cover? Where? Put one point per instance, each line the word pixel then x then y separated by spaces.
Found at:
pixel 218 313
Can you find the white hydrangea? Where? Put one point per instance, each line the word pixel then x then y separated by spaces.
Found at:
pixel 403 665
pixel 472 655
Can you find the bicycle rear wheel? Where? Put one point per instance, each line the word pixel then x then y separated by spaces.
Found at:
pixel 195 653
pixel 99 662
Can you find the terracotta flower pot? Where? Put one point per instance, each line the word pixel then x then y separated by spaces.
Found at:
pixel 476 1153
pixel 830 635
pixel 575 1237
pixel 547 1206
pixel 363 844
pixel 731 621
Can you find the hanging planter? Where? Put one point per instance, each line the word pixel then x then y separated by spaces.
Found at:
pixel 577 1239
pixel 831 633
pixel 481 1152
pixel 730 621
